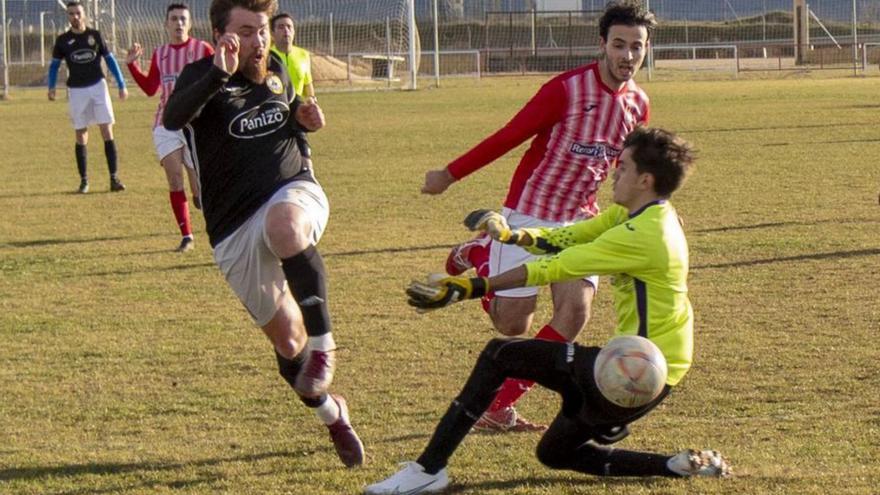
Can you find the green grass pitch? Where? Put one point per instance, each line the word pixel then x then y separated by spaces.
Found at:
pixel 127 368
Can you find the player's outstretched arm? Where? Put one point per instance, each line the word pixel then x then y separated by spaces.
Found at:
pixel 439 293
pixel 495 225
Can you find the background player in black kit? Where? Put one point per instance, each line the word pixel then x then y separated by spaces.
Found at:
pixel 82 48
pixel 264 210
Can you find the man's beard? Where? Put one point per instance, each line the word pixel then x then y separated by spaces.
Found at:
pixel 256 72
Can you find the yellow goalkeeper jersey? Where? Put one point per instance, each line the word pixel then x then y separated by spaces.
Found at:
pixel 299 66
pixel 646 255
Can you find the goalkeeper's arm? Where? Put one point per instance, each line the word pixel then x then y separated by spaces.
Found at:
pixel 535 241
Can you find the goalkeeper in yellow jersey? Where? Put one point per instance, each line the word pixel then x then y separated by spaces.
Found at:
pixel 640 242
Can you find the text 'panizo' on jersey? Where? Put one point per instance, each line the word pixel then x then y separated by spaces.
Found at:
pixel 242 138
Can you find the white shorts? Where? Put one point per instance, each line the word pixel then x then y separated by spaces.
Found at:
pixel 503 257
pixel 167 142
pixel 90 105
pixel 247 261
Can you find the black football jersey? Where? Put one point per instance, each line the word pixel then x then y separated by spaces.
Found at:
pixel 82 52
pixel 242 137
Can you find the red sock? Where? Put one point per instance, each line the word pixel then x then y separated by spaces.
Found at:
pixel 514 388
pixel 181 212
pixel 479 259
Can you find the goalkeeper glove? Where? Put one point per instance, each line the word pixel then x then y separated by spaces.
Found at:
pixel 492 223
pixel 432 295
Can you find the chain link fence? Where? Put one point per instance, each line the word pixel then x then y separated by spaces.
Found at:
pixel 366 40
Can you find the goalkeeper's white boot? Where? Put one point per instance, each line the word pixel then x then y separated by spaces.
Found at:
pixel 699 463
pixel 458 260
pixel 411 479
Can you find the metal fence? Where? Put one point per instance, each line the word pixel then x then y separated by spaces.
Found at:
pixel 488 37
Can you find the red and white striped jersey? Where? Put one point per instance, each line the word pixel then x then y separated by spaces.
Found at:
pixel 579 126
pixel 165 65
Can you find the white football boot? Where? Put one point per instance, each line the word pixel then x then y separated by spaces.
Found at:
pixel 410 480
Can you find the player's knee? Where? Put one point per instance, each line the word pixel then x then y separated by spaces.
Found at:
pixel 287 348
pixel 288 230
pixel 492 347
pixel 512 317
pixel 510 328
pixel 551 455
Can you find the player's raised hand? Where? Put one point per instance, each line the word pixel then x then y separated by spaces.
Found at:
pixel 441 292
pixel 437 181
pixel 134 53
pixel 492 223
pixel 310 115
pixel 226 56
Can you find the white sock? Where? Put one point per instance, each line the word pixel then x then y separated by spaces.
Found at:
pixel 322 342
pixel 328 412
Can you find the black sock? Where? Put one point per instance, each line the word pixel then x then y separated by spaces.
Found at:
pixel 313 402
pixel 308 284
pixel 80 153
pixel 110 153
pixel 289 368
pixel 450 432
pixel 600 460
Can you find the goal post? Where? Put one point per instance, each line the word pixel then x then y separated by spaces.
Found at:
pixel 696 57
pixel 866 59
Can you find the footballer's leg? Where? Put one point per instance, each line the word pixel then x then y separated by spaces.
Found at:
pixel 572 302
pixel 570 444
pixel 290 231
pixel 571 308
pixel 80 151
pixel 286 332
pixel 112 160
pixel 512 313
pixel 500 359
pixel 173 166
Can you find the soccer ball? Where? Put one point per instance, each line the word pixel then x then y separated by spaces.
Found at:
pixel 630 371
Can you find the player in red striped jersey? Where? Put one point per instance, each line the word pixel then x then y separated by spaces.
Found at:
pixel 578 120
pixel 165 65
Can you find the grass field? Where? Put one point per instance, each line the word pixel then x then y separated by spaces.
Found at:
pixel 126 368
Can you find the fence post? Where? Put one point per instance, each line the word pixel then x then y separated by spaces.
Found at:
pixel 855 40
pixel 413 63
pixel 649 59
pixel 5 52
pixel 436 44
pixel 534 34
pixel 43 38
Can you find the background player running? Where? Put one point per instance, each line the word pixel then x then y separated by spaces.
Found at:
pixel 166 64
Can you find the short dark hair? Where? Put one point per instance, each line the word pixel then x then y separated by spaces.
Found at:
pixel 626 13
pixel 662 154
pixel 175 6
pixel 74 3
pixel 220 10
pixel 278 17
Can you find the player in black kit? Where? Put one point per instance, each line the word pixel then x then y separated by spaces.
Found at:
pixel 82 48
pixel 264 210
